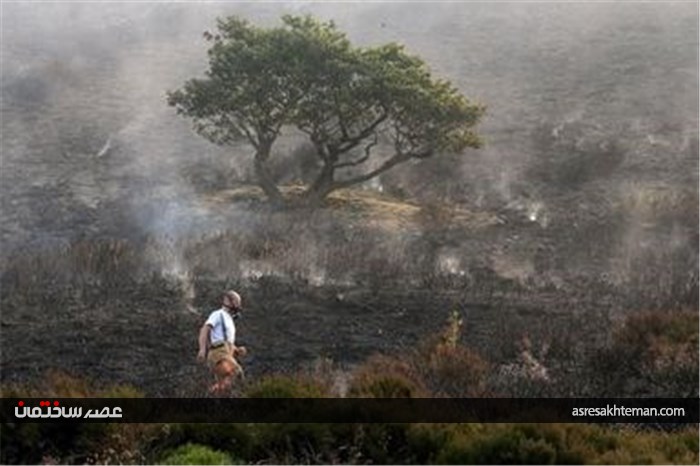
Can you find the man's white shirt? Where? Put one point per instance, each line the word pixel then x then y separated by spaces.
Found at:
pixel 218 320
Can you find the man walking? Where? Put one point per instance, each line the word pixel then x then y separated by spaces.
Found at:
pixel 217 342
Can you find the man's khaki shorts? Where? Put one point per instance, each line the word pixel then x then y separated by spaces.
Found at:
pixel 221 353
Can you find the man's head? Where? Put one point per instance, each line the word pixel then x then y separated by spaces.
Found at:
pixel 232 301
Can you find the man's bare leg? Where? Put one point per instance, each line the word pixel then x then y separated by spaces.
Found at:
pixel 225 371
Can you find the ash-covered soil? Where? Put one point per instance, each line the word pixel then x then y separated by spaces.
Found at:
pixel 145 336
pixel 338 284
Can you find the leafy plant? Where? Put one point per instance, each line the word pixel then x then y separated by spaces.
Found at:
pixel 346 100
pixel 285 386
pixel 197 454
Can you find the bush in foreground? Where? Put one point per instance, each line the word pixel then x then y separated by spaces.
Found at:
pixel 32 443
pixel 287 386
pixel 386 377
pixel 652 354
pixel 566 444
pixel 196 454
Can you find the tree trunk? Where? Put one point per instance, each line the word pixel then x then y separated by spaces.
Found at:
pixel 265 180
pixel 321 186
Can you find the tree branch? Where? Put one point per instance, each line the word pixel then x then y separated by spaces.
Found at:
pixel 321 148
pixel 359 161
pixel 392 162
pixel 341 124
pixel 353 142
pixel 249 135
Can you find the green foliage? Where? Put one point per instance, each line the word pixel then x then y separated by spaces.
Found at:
pixel 564 444
pixel 455 372
pixel 383 386
pixel 652 354
pixel 285 386
pixel 59 384
pixel 344 443
pixel 651 329
pixel 295 443
pixel 382 443
pixel 439 366
pixel 385 377
pixel 634 447
pixel 306 74
pixel 235 439
pixel 449 368
pixel 29 443
pixel 649 337
pixel 197 454
pixel 426 441
pixel 511 444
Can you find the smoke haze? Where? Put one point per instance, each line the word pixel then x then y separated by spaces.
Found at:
pixel 591 129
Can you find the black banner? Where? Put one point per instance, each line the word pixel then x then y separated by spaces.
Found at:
pixel 351 410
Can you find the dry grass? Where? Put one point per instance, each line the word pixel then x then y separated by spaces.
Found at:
pixel 651 201
pixel 369 208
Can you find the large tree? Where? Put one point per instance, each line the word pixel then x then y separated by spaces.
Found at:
pixel 349 101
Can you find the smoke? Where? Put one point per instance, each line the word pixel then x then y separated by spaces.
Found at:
pixel 584 101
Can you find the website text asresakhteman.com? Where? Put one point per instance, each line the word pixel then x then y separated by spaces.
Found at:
pixel 622 411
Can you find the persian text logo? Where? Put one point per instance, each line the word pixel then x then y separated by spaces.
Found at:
pixel 46 410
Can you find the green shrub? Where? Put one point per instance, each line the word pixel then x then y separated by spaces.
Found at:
pixel 652 354
pixel 655 447
pixel 294 443
pixel 196 454
pixel 448 368
pixel 285 386
pixel 382 386
pixel 566 444
pixel 60 384
pixel 455 372
pixel 79 442
pixel 425 441
pixel 439 366
pixel 385 377
pixel 651 331
pixel 510 444
pixel 382 443
pixel 236 439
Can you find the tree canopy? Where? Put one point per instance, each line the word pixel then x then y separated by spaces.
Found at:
pixel 349 101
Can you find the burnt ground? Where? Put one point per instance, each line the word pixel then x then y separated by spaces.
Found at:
pixel 368 276
pixel 145 337
pixel 338 289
